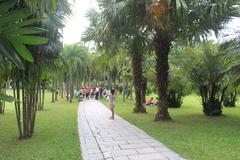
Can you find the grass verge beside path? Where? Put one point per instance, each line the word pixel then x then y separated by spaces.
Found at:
pixel 191 134
pixel 56 134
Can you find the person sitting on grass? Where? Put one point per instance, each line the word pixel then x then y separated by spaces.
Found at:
pixel 149 102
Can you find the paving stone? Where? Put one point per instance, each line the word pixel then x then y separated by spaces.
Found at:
pixel 124 152
pixel 133 141
pixel 107 139
pixel 95 156
pixel 107 154
pixel 145 150
pixel 154 144
pixel 134 146
pixel 152 156
pixel 161 149
pixel 121 158
pixel 101 138
pixel 94 151
pixel 113 142
pixel 171 155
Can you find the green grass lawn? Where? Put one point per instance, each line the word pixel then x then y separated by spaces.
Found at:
pixel 191 134
pixel 55 138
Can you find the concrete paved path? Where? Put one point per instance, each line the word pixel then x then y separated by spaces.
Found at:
pixel 105 139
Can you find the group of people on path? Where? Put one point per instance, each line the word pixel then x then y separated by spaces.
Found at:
pixel 96 93
pixel 89 92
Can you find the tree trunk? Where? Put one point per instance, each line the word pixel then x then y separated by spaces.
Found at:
pixel 71 89
pixel 62 90
pixel 2 103
pixel 230 98
pixel 137 81
pixel 175 98
pixel 2 107
pixel 18 107
pixel 124 92
pixel 43 97
pixel 28 99
pixel 56 91
pixel 131 92
pixel 67 88
pixel 162 49
pixel 40 100
pixel 144 88
pixel 53 99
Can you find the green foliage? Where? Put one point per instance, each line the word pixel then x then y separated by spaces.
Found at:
pixel 206 67
pixel 77 61
pixel 178 83
pixel 13 31
pixel 5 97
pixel 230 96
pixel 42 7
pixel 23 40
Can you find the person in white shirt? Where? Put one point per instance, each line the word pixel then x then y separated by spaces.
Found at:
pixel 97 93
pixel 111 99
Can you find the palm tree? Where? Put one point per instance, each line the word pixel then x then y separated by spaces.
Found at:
pixel 206 68
pixel 232 49
pixel 167 21
pixel 5 71
pixel 183 20
pixel 120 24
pixel 27 65
pixel 75 57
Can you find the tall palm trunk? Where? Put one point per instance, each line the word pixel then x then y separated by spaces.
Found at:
pixel 26 91
pixel 62 90
pixel 56 91
pixel 124 92
pixel 53 92
pixel 67 88
pixel 137 81
pixel 40 99
pixel 43 97
pixel 162 48
pixel 71 89
pixel 131 92
pixel 2 107
pixel 2 103
pixel 144 88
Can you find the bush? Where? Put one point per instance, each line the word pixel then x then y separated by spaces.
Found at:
pixel 212 107
pixel 205 66
pixel 230 98
pixel 175 98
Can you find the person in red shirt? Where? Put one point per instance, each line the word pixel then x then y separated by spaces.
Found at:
pixel 85 92
pixel 149 102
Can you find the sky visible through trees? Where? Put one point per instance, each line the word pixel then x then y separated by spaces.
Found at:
pixel 78 22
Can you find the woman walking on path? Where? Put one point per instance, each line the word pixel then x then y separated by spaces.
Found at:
pixel 111 99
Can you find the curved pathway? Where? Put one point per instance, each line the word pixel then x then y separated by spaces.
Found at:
pixel 105 139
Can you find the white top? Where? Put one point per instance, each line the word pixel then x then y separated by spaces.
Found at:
pixel 111 99
pixel 97 89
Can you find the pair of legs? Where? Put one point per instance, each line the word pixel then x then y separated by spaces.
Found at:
pixel 150 104
pixel 112 106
